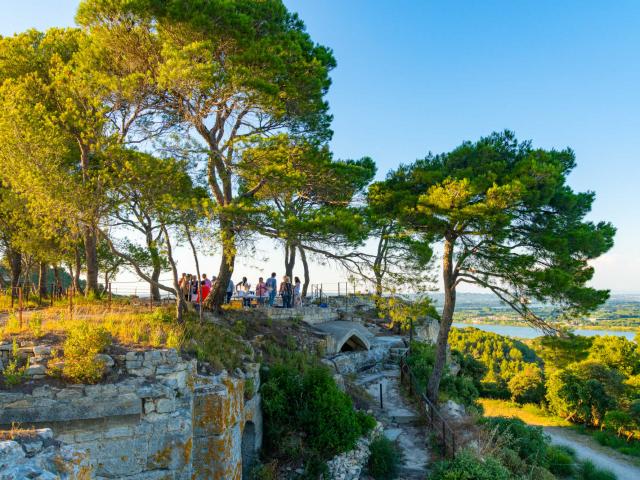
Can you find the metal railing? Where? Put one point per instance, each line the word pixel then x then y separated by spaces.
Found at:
pixel 436 420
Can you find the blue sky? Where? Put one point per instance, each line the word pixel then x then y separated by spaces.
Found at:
pixel 415 76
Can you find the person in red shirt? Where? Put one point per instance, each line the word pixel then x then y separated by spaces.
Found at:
pixel 204 289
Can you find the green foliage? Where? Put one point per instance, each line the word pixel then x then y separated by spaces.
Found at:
pixel 384 459
pixel 561 460
pixel 308 412
pixel 460 388
pixel 578 399
pixel 558 351
pixel 502 357
pixel 14 373
pixel 612 440
pixel 616 353
pixel 467 466
pixel 82 345
pixel 527 386
pixel 217 346
pixel 528 442
pixel 588 471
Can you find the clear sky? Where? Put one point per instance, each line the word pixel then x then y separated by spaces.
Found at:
pixel 415 76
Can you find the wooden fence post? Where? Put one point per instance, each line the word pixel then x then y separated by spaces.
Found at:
pixel 71 292
pixel 109 296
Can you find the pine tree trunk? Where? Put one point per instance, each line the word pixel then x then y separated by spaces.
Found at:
pixel 156 264
pixel 289 259
pixel 307 278
pixel 91 260
pixel 15 264
pixel 42 279
pixel 218 294
pixel 75 273
pixel 433 386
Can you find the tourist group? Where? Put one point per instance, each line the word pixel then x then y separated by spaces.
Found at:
pixel 284 295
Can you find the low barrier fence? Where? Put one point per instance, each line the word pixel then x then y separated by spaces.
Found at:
pixel 437 422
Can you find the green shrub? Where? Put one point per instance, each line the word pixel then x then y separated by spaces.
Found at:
pixel 528 441
pixel 384 460
pixel 560 461
pixel 466 466
pixel 588 471
pixel 307 411
pixel 14 373
pixel 267 471
pixel 366 421
pixel 460 388
pixel 82 345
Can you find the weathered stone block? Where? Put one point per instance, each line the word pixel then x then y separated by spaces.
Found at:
pixel 165 405
pixel 217 408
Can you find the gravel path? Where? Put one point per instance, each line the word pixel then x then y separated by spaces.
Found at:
pixel 588 449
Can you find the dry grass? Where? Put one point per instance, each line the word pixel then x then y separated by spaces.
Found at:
pixel 17 432
pixel 530 414
pixel 127 324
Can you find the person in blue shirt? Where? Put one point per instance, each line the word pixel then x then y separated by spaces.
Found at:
pixel 272 285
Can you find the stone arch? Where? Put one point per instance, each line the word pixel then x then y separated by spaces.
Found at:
pixel 248 449
pixel 354 343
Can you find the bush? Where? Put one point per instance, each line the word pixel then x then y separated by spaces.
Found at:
pixel 560 461
pixel 588 471
pixel 527 386
pixel 14 373
pixel 82 345
pixel 467 466
pixel 528 441
pixel 384 460
pixel 308 410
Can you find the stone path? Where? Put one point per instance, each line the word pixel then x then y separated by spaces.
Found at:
pixel 400 420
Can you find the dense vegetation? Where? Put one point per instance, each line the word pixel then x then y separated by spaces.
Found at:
pixel 594 382
pixel 307 418
pixel 513 450
pixel 511 366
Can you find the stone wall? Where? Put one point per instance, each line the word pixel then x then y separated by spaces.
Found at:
pixel 35 454
pixel 350 465
pixel 311 314
pixel 160 420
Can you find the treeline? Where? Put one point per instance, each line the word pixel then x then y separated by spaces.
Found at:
pixel 593 381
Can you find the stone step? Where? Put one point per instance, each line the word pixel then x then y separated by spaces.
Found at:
pixel 412 473
pixel 402 418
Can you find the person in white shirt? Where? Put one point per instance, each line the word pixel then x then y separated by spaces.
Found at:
pixel 242 290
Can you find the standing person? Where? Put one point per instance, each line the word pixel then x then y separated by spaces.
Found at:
pixel 286 291
pixel 204 289
pixel 206 281
pixel 230 287
pixel 194 288
pixel 297 292
pixel 272 286
pixel 242 289
pixel 183 285
pixel 261 291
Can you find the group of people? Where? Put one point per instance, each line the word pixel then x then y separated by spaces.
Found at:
pixel 265 292
pixel 189 287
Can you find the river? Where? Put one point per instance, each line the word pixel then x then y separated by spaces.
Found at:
pixel 516 331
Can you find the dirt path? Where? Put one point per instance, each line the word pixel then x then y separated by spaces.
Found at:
pixel 588 449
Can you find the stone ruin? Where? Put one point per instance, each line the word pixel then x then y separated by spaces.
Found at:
pixel 159 420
